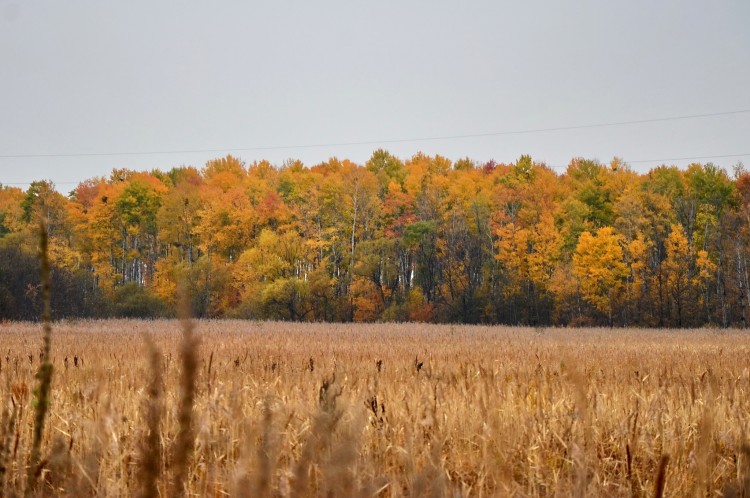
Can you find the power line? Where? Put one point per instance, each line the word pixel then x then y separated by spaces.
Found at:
pixel 687 158
pixel 691 158
pixel 376 142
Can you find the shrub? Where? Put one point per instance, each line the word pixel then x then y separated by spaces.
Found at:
pixel 134 301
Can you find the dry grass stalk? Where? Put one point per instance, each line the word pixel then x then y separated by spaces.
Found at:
pixel 661 477
pixel 183 446
pixel 149 468
pixel 44 374
pixel 8 427
pixel 267 453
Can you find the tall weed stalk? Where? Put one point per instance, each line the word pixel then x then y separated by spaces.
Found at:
pixel 44 374
pixel 183 446
pixel 149 468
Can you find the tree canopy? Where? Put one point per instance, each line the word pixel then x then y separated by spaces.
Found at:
pixel 420 239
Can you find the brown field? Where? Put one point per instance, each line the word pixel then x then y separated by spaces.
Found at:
pixel 285 409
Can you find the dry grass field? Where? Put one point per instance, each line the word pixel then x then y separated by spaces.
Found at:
pixel 281 409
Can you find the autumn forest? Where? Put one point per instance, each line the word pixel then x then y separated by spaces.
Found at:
pixel 424 239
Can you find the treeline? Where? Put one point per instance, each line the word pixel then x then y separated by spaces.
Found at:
pixel 420 240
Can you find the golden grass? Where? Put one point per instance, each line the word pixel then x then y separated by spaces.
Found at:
pixel 284 409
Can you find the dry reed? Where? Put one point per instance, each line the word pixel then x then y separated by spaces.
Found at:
pixel 44 374
pixel 185 440
pixel 493 411
pixel 149 468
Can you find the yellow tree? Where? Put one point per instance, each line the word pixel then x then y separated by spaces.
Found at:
pixel 466 253
pixel 636 256
pixel 137 207
pixel 387 169
pixel 529 257
pixel 11 212
pixel 599 264
pixel 512 252
pixel 225 223
pixel 545 251
pixel 43 202
pixel 262 178
pixel 104 234
pixel 275 257
pixel 177 219
pixel 225 173
pixel 226 219
pixel 704 277
pixel 678 268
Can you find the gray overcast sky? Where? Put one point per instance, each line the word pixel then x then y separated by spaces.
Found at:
pixel 102 77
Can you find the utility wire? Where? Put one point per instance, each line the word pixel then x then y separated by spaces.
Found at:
pixel 687 158
pixel 376 142
pixel 691 158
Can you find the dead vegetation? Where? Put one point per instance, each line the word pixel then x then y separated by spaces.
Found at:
pixel 281 409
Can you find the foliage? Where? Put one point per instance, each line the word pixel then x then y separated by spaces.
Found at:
pixel 598 263
pixel 132 300
pixel 74 293
pixel 392 239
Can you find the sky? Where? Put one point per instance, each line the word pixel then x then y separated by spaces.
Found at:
pixel 88 86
